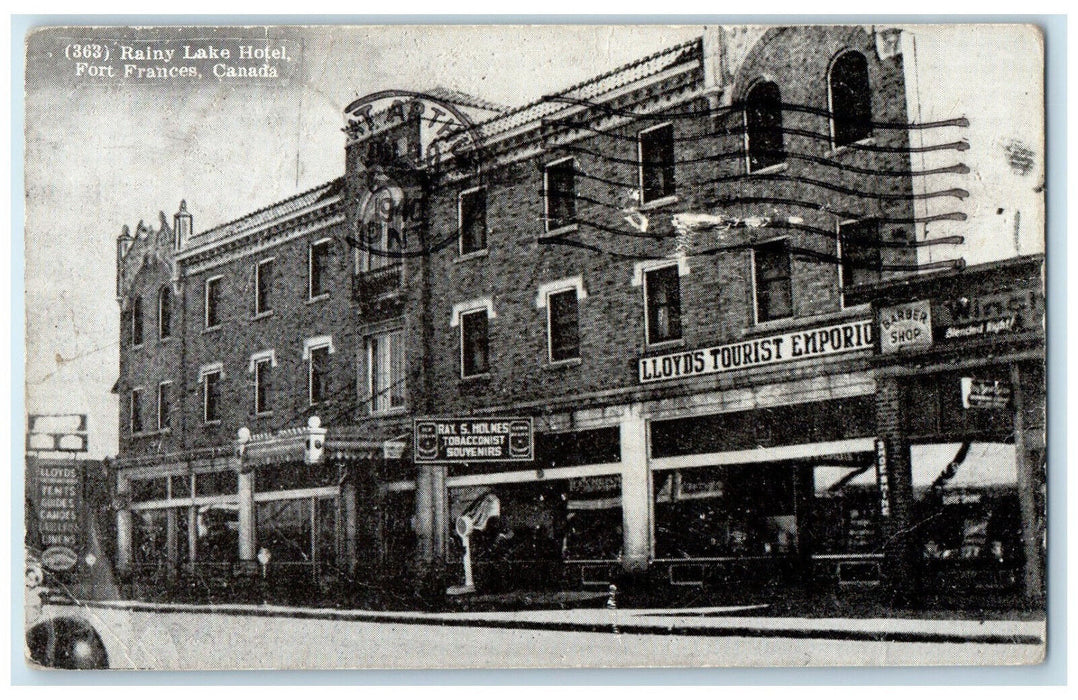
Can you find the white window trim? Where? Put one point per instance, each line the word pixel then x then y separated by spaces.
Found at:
pixel 644 268
pixel 140 390
pixel 318 341
pixel 548 288
pixel 206 302
pixel 309 346
pixel 261 355
pixel 460 322
pixel 763 79
pixel 752 273
pixel 546 194
pixel 640 268
pixel 469 306
pixel 258 282
pixel 162 292
pixel 310 269
pixel 560 287
pixel 640 160
pixel 205 371
pixel 160 422
pixel 831 101
pixel 369 361
pixel 257 359
pixel 460 222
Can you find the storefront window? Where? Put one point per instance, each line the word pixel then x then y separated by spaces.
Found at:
pixel 150 536
pixel 737 511
pixel 398 509
pixel 537 528
pixel 301 530
pixel 218 533
pixel 846 508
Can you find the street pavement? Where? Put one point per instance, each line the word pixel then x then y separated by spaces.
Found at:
pixel 237 637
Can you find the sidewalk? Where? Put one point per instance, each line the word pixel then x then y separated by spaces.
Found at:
pixel 731 621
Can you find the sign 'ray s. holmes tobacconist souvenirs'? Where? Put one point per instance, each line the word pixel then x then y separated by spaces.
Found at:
pixel 767 350
pixel 474 440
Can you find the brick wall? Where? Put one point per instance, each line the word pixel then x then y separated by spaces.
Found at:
pixel 716 293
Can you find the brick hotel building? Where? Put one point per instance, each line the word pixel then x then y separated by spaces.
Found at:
pixel 704 276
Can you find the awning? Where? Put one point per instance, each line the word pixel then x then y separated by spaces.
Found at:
pixel 987 464
pixel 828 478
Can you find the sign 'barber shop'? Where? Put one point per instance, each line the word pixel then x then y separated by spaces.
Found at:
pixel 768 350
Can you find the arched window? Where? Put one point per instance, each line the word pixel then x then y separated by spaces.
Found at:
pixel 763 127
pixel 851 101
pixel 164 313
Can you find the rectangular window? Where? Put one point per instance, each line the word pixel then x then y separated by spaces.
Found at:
pixel 136 411
pixel 164 313
pixel 473 221
pixel 318 375
pixel 385 371
pixel 771 269
pixel 662 293
pixel 213 302
pixel 474 343
pixel 136 320
pixel 656 149
pixel 560 187
pixel 263 284
pixel 859 251
pixel 318 269
pixel 164 405
pixel 263 385
pixel 563 325
pixel 211 396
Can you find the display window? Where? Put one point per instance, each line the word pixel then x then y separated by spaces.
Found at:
pixel 218 533
pixel 398 534
pixel 969 524
pixel 298 531
pixel 150 536
pixel 845 516
pixel 729 511
pixel 523 535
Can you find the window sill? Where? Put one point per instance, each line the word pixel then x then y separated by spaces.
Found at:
pixel 791 322
pixel 464 257
pixel 846 148
pixel 475 377
pixel 560 231
pixel 262 314
pixel 770 170
pixel 388 413
pixel 263 414
pixel 659 203
pixel 164 340
pixel 317 299
pixel 554 365
pixel 211 423
pixel 665 344
pixel 211 329
pixel 136 347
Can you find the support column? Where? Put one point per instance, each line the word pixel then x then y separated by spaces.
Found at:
pixel 896 490
pixel 172 540
pixel 192 534
pixel 124 523
pixel 439 524
pixel 1027 500
pixel 424 519
pixel 248 542
pixel 348 518
pixel 635 494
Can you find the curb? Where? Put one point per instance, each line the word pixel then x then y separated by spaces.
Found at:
pixel 592 627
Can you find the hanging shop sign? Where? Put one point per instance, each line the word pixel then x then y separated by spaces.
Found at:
pixel 796 345
pixel 985 393
pixel 441 440
pixel 1013 311
pixel 905 326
